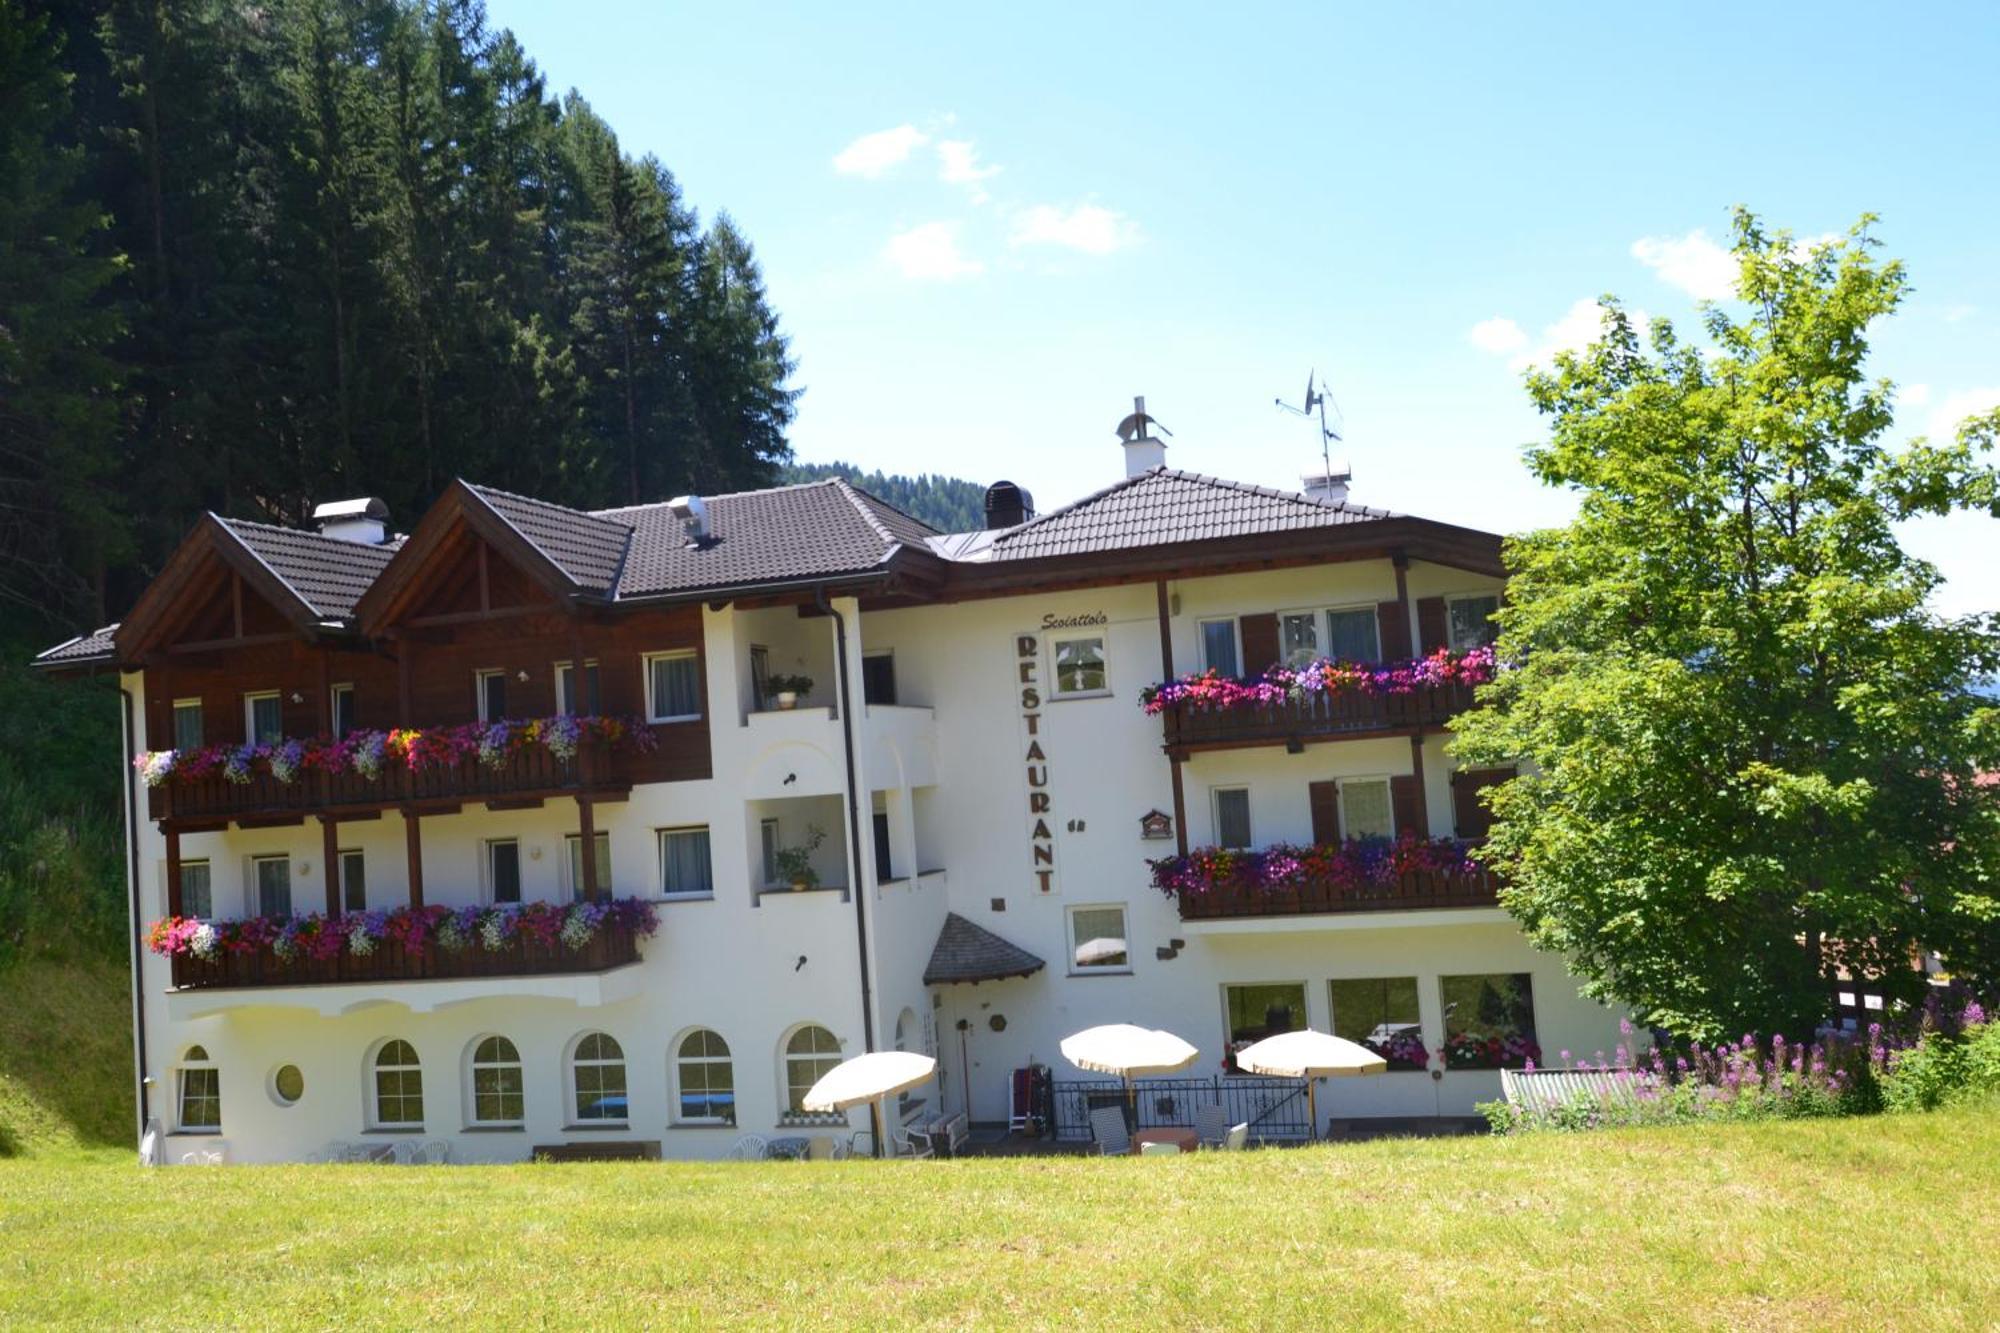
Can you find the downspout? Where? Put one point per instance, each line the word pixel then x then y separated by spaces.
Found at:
pixel 853 827
pixel 132 879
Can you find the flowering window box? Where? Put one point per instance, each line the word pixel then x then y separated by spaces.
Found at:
pixel 1321 698
pixel 1356 875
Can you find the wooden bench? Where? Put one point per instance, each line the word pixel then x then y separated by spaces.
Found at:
pixel 629 1150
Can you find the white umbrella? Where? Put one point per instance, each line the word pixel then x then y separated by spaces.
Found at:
pixel 1103 949
pixel 1126 1050
pixel 1309 1055
pixel 869 1078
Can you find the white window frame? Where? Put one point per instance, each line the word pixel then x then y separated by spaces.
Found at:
pixel 187 863
pixel 675 1060
pixel 333 695
pixel 376 1120
pixel 487 879
pixel 1215 812
pixel 253 889
pixel 660 860
pixel 563 672
pixel 473 1064
pixel 889 653
pixel 572 1109
pixel 251 698
pixel 770 841
pixel 653 714
pixel 189 1063
pixel 572 884
pixel 1313 616
pixel 1235 639
pixel 1450 599
pixel 1355 608
pixel 174 719
pixel 785 1062
pixel 340 873
pixel 1077 969
pixel 1103 639
pixel 760 680
pixel 1388 799
pixel 479 679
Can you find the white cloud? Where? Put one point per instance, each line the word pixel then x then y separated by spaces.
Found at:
pixel 1498 335
pixel 1913 395
pixel 929 253
pixel 958 164
pixel 872 155
pixel 1693 263
pixel 1956 407
pixel 1087 227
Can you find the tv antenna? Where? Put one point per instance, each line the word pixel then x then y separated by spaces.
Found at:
pixel 1315 402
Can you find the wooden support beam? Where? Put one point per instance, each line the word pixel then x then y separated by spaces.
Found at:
pixel 515 803
pixel 329 829
pixel 269 821
pixel 173 872
pixel 1423 798
pixel 414 839
pixel 1402 563
pixel 587 851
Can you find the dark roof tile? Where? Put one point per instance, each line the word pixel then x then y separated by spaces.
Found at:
pixel 92 647
pixel 327 574
pixel 969 952
pixel 590 548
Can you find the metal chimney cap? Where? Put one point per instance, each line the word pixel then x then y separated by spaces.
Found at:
pixel 367 506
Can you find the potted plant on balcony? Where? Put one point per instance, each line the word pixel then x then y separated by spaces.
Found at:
pixel 794 864
pixel 787 689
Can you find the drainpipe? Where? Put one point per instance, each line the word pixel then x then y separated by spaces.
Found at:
pixel 853 833
pixel 132 877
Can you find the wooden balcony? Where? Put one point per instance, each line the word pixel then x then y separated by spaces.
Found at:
pixel 527 776
pixel 614 945
pixel 1313 717
pixel 1414 890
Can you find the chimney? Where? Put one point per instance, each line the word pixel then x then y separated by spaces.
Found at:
pixel 693 515
pixel 1144 451
pixel 1007 505
pixel 364 521
pixel 1328 485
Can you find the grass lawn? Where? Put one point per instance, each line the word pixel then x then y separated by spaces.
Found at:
pixel 1867 1222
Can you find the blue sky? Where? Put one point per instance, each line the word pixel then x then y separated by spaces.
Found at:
pixel 986 230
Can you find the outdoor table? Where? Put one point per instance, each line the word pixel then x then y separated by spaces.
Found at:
pixel 1187 1140
pixel 792 1148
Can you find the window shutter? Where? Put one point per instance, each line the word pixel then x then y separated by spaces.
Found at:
pixel 1324 798
pixel 1406 806
pixel 1431 631
pixel 1260 643
pixel 1392 626
pixel 1470 817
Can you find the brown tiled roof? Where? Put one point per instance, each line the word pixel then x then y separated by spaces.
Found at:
pixel 790 532
pixel 969 952
pixel 328 575
pixel 1165 506
pixel 90 647
pixel 588 547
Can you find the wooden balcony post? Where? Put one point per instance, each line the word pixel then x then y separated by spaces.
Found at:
pixel 414 838
pixel 329 828
pixel 1409 649
pixel 1422 796
pixel 587 849
pixel 173 871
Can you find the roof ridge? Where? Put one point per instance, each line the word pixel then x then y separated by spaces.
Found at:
pixel 868 516
pixel 296 532
pixel 1273 492
pixel 258 556
pixel 1123 483
pixel 719 495
pixel 895 508
pixel 484 490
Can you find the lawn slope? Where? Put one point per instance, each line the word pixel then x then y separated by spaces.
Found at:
pixel 1866 1222
pixel 65 1055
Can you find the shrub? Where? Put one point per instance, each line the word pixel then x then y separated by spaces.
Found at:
pixel 1944 1068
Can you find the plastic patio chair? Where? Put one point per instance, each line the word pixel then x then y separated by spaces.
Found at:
pixel 1238 1136
pixel 750 1148
pixel 1159 1150
pixel 1211 1124
pixel 434 1153
pixel 1107 1126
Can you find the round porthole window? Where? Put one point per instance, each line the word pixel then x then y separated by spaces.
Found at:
pixel 998 1022
pixel 287 1085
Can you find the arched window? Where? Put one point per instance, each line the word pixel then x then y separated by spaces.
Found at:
pixel 811 1052
pixel 200 1102
pixel 398 1086
pixel 597 1078
pixel 704 1080
pixel 496 1083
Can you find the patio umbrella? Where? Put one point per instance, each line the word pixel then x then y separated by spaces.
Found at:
pixel 869 1078
pixel 1102 949
pixel 1126 1050
pixel 1311 1056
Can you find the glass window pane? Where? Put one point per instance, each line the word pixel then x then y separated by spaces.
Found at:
pixel 768 833
pixel 504 870
pixel 1079 665
pixel 267 725
pixel 274 885
pixel 343 710
pixel 1218 646
pixel 1259 1011
pixel 1364 811
pixel 197 898
pixel 1298 638
pixel 1381 1014
pixel 676 686
pixel 1489 1020
pixel 1471 621
pixel 878 678
pixel 201 1099
pixel 1097 937
pixel 353 881
pixel 187 726
pixel 1350 636
pixel 602 842
pixel 492 696
pixel 1232 817
pixel 684 862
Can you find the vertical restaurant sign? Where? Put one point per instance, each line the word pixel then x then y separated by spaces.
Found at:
pixel 1041 832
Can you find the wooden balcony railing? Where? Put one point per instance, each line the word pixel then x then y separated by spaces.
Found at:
pixel 528 772
pixel 1314 716
pixel 614 945
pixel 1411 891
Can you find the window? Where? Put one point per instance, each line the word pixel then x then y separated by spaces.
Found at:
pixel 1469 621
pixel 760 677
pixel 685 869
pixel 566 696
pixel 878 678
pixel 1218 647
pixel 1262 1010
pixel 497 1097
pixel 1080 666
pixel 879 822
pixel 597 1079
pixel 1489 1021
pixel 704 1080
pixel 1351 635
pixel 341 710
pixel 200 1100
pixel 573 845
pixel 767 832
pixel 1097 941
pixel 1381 1014
pixel 263 718
pixel 271 884
pixel 673 687
pixel 503 870
pixel 288 1084
pixel 353 871
pixel 1365 809
pixel 399 1087
pixel 809 1055
pixel 1298 637
pixel 187 724
pixel 491 685
pixel 1232 816
pixel 197 892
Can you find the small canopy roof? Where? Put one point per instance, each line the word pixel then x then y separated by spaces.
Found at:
pixel 1126 1050
pixel 969 952
pixel 868 1078
pixel 1309 1054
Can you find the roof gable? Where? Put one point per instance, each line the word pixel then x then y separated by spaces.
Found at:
pixel 966 951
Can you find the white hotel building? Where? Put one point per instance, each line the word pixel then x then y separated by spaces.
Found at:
pixel 971 746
